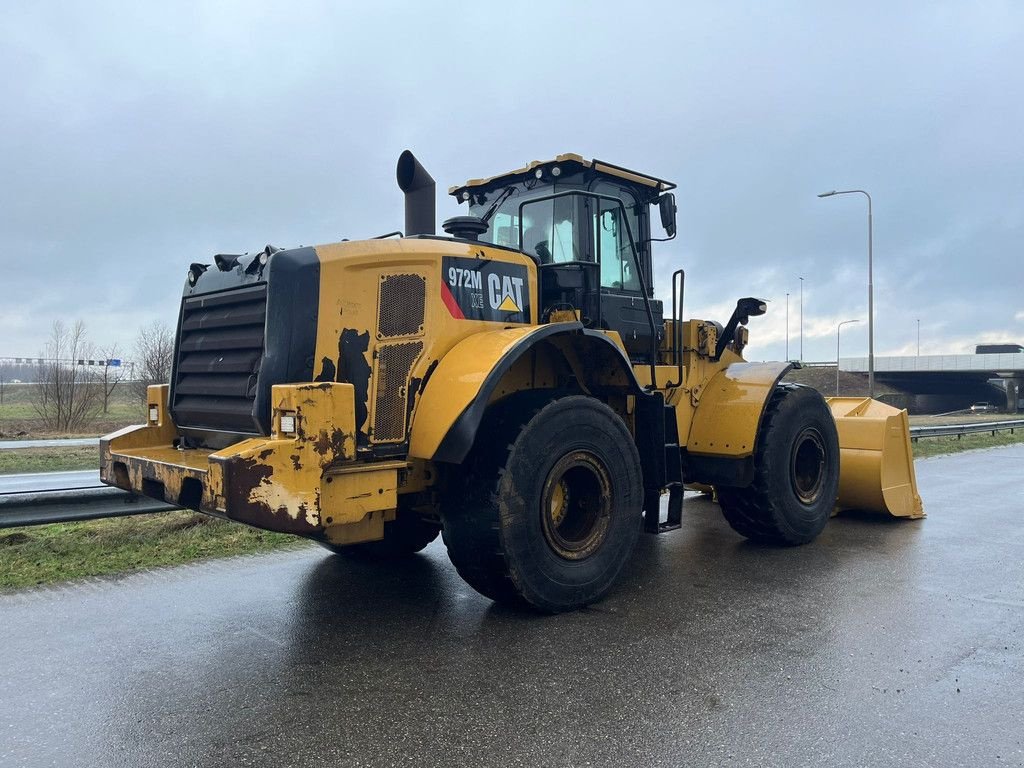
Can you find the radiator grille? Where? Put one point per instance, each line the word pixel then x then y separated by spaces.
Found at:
pixel 400 306
pixel 220 348
pixel 394 364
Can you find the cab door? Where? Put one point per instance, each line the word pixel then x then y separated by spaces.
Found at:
pixel 623 308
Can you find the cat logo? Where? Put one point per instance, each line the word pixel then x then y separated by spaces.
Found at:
pixel 505 293
pixel 485 289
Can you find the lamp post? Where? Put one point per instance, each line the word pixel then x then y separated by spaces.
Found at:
pixel 787 327
pixel 838 327
pixel 801 319
pixel 919 337
pixel 871 299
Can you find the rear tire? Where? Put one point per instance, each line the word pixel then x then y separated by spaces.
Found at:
pixel 547 509
pixel 406 535
pixel 796 472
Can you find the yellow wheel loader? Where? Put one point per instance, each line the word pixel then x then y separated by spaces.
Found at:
pixel 512 384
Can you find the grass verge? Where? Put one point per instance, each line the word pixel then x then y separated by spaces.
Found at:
pixel 60 459
pixel 937 446
pixel 50 553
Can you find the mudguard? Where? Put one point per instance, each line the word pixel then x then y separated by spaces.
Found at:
pixel 459 390
pixel 729 411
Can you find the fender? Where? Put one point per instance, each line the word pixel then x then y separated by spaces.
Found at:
pixel 726 420
pixel 459 390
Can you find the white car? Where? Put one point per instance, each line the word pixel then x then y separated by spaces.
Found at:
pixel 983 408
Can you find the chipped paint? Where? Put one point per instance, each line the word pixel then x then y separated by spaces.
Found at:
pixel 327 370
pixel 277 498
pixel 354 369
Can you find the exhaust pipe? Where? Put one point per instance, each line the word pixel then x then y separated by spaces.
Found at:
pixel 420 197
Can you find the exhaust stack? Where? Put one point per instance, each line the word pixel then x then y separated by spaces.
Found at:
pixel 420 197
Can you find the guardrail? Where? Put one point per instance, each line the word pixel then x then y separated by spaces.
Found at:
pixel 43 507
pixel 959 430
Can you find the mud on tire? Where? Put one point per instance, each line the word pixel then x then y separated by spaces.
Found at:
pixel 796 472
pixel 547 509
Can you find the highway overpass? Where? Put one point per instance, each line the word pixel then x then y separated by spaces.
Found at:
pixel 958 380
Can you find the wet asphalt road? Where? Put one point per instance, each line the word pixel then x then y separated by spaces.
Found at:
pixel 61 442
pixel 883 643
pixel 50 481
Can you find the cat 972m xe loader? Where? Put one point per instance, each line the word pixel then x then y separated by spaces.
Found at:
pixel 513 385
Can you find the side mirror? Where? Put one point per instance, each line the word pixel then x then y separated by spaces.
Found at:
pixel 667 208
pixel 745 309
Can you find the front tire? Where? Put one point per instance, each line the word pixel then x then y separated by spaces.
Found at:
pixel 796 472
pixel 547 509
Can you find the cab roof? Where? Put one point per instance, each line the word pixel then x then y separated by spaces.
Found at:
pixel 566 161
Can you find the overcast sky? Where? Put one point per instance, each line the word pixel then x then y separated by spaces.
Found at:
pixel 136 138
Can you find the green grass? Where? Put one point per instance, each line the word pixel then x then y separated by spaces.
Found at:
pixel 938 446
pixel 51 553
pixel 49 459
pixel 18 417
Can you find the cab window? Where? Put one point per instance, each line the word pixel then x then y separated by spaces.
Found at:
pixel 552 230
pixel 618 270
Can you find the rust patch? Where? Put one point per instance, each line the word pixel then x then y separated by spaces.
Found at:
pixel 338 438
pixel 296 461
pixel 323 443
pixel 266 453
pixel 241 477
pixel 333 443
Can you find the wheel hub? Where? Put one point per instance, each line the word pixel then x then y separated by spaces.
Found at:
pixel 807 465
pixel 576 505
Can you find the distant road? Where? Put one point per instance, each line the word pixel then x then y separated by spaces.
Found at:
pixel 9 445
pixel 50 481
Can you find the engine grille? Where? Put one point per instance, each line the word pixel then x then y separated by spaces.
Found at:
pixel 220 348
pixel 400 305
pixel 394 364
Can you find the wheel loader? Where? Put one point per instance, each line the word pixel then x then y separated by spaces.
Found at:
pixel 512 385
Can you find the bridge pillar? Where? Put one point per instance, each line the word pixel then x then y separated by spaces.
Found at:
pixel 1014 388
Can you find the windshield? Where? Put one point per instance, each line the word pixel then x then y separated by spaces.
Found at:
pixel 504 223
pixel 551 228
pixel 567 228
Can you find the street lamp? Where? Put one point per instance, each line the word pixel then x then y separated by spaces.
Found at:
pixel 801 319
pixel 838 327
pixel 918 337
pixel 787 326
pixel 871 300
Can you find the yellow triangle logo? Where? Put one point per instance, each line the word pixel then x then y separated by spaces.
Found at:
pixel 508 305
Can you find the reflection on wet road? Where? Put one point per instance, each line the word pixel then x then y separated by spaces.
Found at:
pixel 884 642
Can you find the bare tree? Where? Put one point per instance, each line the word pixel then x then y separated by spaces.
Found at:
pixel 66 396
pixel 111 375
pixel 154 354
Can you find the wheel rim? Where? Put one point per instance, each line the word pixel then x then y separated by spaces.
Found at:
pixel 576 505
pixel 807 465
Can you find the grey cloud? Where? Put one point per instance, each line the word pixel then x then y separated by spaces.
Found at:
pixel 137 139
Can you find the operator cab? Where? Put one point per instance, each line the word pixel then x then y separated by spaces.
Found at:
pixel 587 223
